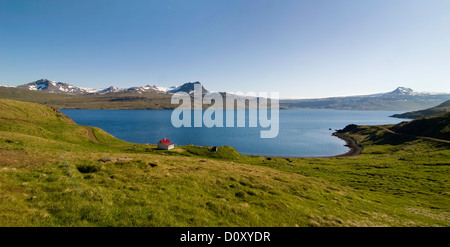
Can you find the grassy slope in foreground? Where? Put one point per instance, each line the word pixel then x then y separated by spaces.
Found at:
pixel 442 108
pixel 50 176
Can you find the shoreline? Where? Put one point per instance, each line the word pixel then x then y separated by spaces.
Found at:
pixel 355 149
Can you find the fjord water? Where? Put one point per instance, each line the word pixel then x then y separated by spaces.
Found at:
pixel 302 133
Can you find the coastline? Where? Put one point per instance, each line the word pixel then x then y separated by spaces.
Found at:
pixel 355 149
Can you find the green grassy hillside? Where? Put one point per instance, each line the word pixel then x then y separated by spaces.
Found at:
pixel 435 126
pixel 440 109
pixel 47 124
pixel 56 173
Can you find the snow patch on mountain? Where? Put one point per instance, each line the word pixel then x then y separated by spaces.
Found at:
pixel 112 89
pixel 90 90
pixel 165 89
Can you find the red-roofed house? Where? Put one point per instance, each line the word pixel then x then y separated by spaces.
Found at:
pixel 165 144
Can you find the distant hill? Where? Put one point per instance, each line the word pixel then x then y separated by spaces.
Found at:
pixel 401 99
pixel 442 108
pixel 436 126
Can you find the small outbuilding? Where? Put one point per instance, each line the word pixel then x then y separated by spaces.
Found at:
pixel 165 144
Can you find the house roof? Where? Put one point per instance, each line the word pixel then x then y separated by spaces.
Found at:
pixel 166 142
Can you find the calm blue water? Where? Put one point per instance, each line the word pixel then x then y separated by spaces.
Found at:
pixel 302 133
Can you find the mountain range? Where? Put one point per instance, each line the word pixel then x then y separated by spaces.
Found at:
pixel 45 85
pixel 400 99
pixel 64 95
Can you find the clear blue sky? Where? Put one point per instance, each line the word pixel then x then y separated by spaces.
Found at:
pixel 300 48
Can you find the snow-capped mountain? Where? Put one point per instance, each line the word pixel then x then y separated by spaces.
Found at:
pixel 54 87
pixel 48 86
pixel 111 89
pixel 187 88
pixel 404 91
